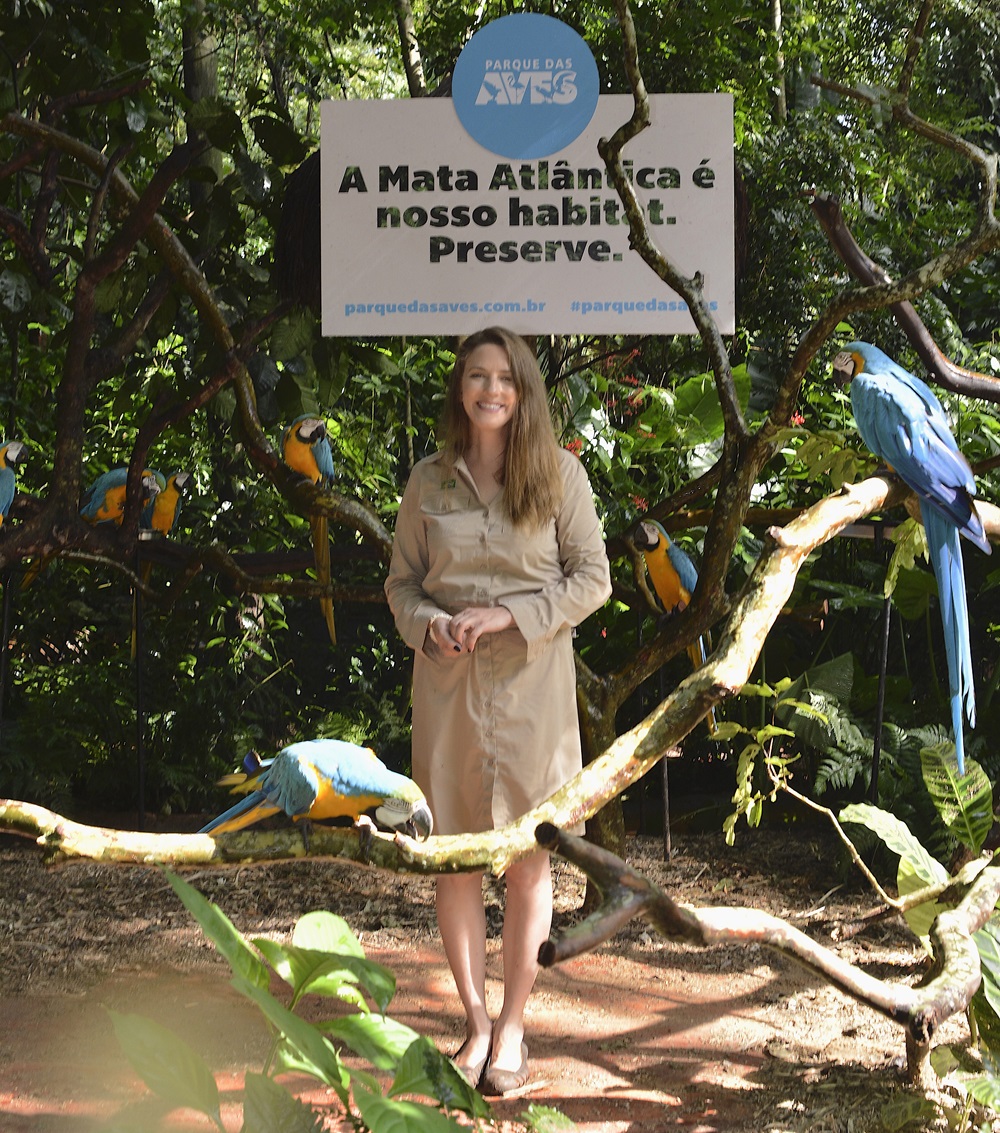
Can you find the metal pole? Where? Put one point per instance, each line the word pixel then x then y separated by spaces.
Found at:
pixel 8 604
pixel 880 703
pixel 882 666
pixel 667 847
pixel 140 702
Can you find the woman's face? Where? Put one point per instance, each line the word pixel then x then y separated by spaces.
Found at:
pixel 488 392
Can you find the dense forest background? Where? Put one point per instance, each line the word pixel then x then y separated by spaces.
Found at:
pixel 110 355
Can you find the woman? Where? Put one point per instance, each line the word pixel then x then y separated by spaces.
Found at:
pixel 498 554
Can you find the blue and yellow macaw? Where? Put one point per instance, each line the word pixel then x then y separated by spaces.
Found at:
pixel 104 500
pixel 674 578
pixel 903 423
pixel 163 510
pixel 306 449
pixel 317 779
pixel 11 454
pixel 160 514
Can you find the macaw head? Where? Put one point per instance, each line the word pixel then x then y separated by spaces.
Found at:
pixel 860 358
pixel 180 481
pixel 410 815
pixel 12 453
pixel 309 430
pixel 151 484
pixel 648 535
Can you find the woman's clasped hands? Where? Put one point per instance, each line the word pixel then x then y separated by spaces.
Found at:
pixel 459 633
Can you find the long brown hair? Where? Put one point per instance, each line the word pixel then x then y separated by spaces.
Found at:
pixel 531 478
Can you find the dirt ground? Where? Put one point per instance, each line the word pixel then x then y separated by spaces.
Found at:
pixel 640 1035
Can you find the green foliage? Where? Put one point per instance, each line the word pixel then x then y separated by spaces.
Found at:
pixel 324 958
pixel 965 806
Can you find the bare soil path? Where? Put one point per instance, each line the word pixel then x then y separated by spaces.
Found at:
pixel 641 1035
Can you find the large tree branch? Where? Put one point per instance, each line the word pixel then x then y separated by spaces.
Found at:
pixel 827 210
pixel 919 1010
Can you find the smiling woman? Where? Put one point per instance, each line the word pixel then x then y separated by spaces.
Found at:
pixel 498 554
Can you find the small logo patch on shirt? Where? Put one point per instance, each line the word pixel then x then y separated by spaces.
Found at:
pixel 448 484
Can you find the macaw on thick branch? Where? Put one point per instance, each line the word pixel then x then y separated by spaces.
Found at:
pixel 903 423
pixel 104 500
pixel 306 449
pixel 317 779
pixel 674 577
pixel 11 454
pixel 162 511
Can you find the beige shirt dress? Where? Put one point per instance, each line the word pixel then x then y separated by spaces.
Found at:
pixel 495 731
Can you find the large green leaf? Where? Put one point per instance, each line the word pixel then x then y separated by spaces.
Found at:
pixel 988 943
pixel 985 1090
pixel 545 1119
pixel 917 868
pixel 311 972
pixel 221 931
pixel 902 1111
pixel 896 835
pixel 269 1108
pixel 920 917
pixel 375 1038
pixel 168 1066
pixel 964 802
pixel 697 401
pixel 317 1054
pixel 326 932
pixel 424 1070
pixel 386 1115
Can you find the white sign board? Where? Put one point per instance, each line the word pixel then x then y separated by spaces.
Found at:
pixel 424 231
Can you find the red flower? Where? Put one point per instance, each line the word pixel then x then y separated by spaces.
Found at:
pixel 575 446
pixel 798 419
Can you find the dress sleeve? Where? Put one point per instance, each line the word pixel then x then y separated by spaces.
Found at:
pixel 410 606
pixel 586 582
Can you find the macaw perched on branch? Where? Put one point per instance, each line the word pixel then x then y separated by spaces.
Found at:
pixel 162 511
pixel 674 577
pixel 316 779
pixel 306 449
pixel 160 514
pixel 11 454
pixel 903 423
pixel 104 500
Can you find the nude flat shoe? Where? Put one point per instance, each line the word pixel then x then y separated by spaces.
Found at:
pixel 500 1082
pixel 472 1073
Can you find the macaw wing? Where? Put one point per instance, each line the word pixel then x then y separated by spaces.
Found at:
pixel 8 485
pixel 687 572
pixel 353 771
pixel 324 459
pixel 290 783
pixel 903 423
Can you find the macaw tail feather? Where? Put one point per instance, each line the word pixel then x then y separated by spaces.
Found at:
pixel 321 557
pixel 698 653
pixel 34 569
pixel 247 811
pixel 946 559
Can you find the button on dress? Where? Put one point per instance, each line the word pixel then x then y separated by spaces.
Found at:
pixel 495 731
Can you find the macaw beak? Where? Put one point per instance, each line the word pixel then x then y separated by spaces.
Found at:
pixel 415 820
pixel 843 368
pixel 421 823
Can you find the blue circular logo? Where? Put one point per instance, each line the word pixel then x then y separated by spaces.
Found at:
pixel 525 86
